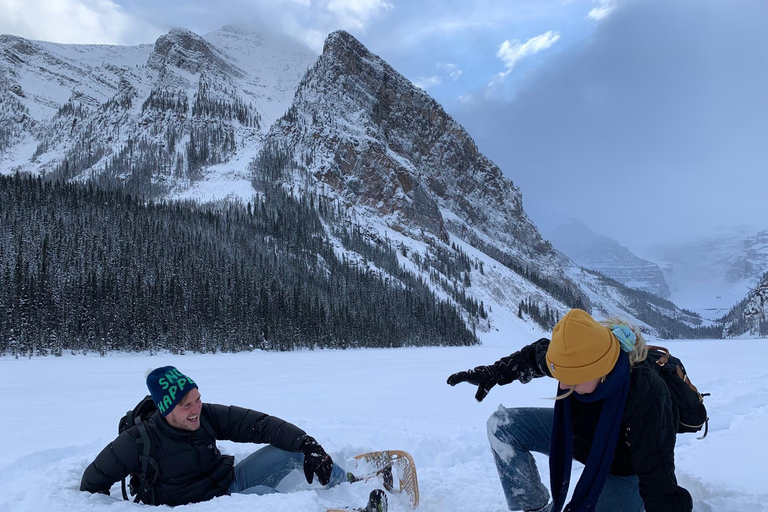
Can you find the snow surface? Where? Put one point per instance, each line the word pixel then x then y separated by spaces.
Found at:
pixel 60 412
pixel 273 68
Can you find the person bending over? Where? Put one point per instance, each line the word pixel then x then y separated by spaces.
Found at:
pixel 613 413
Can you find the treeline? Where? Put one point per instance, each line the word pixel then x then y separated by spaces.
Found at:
pixel 122 100
pixel 450 269
pixel 84 269
pixel 546 317
pixel 447 268
pixel 207 105
pixel 172 140
pixel 569 295
pixel 738 324
pixel 14 117
pixel 5 137
pixel 164 100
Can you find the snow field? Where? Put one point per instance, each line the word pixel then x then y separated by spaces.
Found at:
pixel 60 412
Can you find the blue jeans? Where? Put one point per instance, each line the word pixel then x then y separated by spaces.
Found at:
pixel 514 434
pixel 262 471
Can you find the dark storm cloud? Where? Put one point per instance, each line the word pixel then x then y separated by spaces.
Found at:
pixel 654 128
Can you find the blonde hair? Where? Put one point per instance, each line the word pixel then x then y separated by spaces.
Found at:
pixel 640 351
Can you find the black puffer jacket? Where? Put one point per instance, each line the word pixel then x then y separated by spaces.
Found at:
pixel 192 468
pixel 646 445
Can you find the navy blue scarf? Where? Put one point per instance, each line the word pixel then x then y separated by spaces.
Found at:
pixel 613 392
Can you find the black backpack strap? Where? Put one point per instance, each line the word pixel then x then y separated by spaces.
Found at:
pixel 122 486
pixel 128 421
pixel 146 461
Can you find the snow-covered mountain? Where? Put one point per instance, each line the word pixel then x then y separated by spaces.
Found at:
pixel 710 275
pixel 750 316
pixel 208 117
pixel 605 255
pixel 383 145
pixel 171 109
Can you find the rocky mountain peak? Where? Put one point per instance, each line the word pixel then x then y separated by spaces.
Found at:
pixel 342 44
pixel 185 50
pixel 387 145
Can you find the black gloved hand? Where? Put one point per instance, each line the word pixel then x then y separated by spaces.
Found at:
pixel 523 366
pixel 316 461
pixel 484 377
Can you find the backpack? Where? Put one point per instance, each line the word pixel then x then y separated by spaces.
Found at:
pixel 692 415
pixel 139 483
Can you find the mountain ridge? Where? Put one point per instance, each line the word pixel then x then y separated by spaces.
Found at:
pixel 607 256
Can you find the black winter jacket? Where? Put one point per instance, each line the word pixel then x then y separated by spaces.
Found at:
pixel 192 468
pixel 646 446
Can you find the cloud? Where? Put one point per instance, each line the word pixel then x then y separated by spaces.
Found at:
pixel 356 14
pixel 511 52
pixel 427 82
pixel 452 69
pixel 652 129
pixel 306 21
pixel 73 21
pixel 606 7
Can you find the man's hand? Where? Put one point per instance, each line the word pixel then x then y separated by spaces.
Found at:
pixel 316 461
pixel 484 377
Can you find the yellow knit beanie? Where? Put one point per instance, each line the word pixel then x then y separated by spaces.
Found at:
pixel 581 349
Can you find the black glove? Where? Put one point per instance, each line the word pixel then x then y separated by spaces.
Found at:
pixel 316 461
pixel 523 366
pixel 484 377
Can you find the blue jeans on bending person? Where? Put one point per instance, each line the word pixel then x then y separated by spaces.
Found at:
pixel 263 470
pixel 514 434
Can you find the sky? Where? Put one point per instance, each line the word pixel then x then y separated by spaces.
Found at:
pixel 645 119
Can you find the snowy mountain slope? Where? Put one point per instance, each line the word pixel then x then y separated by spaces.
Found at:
pixel 375 399
pixel 710 275
pixel 157 114
pixel 750 316
pixel 752 260
pixel 44 76
pixel 37 78
pixel 605 255
pixel 660 317
pixel 272 67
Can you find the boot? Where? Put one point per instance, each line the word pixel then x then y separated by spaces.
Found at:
pixel 377 502
pixel 386 474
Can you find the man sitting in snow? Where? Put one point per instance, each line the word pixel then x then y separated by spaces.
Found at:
pixel 189 466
